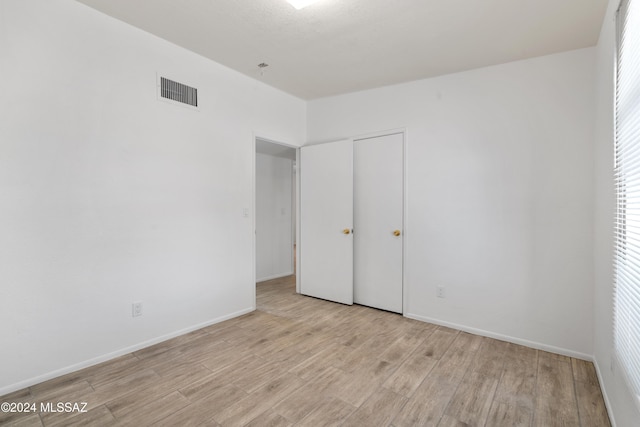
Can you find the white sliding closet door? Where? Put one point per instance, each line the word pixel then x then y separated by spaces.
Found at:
pixel 326 220
pixel 378 221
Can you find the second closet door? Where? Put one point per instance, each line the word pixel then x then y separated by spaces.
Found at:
pixel 378 222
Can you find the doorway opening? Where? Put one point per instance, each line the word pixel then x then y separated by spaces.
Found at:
pixel 276 212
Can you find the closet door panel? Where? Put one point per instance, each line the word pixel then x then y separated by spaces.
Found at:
pixel 326 221
pixel 378 221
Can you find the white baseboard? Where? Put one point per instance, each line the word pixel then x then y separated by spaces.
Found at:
pixel 96 360
pixel 275 276
pixel 607 402
pixel 520 341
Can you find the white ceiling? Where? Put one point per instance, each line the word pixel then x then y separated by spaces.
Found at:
pixel 339 46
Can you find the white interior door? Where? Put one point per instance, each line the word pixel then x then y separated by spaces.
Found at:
pixel 326 220
pixel 378 221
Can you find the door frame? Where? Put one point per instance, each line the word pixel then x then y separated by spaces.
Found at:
pixel 295 226
pixel 405 204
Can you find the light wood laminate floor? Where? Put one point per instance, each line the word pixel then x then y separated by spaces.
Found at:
pixel 307 362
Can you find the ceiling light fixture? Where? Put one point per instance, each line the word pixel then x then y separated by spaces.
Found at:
pixel 299 4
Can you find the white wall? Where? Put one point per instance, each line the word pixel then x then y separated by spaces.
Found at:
pixel 274 221
pixel 108 196
pixel 500 193
pixel 619 399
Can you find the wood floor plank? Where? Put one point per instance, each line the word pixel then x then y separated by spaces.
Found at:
pixel 180 375
pixel 76 389
pixel 517 386
pixel 57 384
pixel 25 393
pixel 378 410
pixel 301 403
pixel 333 355
pixel 269 419
pixel 356 387
pixel 517 390
pixel 401 348
pixel 473 398
pixel 354 339
pixel 252 380
pixel 380 342
pixel 79 396
pixel 331 412
pixel 237 369
pixel 47 391
pixel 11 418
pixel 130 405
pixel 328 380
pixel 204 410
pixel 139 382
pixel 428 403
pixel 446 329
pixel 194 350
pixel 303 340
pixel 71 394
pixel 260 401
pixel 354 359
pixel 100 416
pixel 436 344
pixel 521 360
pixel 448 421
pixel 555 399
pixel 418 328
pixel 554 356
pixel 584 371
pixel 509 415
pixel 21 396
pixel 456 360
pixel 223 331
pixel 146 413
pixel 591 408
pixel 23 420
pixel 406 379
pixel 212 384
pixel 25 417
pixel 219 358
pixel 490 358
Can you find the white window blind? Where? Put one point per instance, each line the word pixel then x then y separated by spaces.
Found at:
pixel 627 184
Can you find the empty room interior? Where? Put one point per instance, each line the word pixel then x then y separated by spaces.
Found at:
pixel 330 212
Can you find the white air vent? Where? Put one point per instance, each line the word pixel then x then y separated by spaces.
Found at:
pixel 178 92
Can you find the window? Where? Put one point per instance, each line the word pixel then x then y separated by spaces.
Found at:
pixel 627 184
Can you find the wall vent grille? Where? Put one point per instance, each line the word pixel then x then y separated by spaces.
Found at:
pixel 178 92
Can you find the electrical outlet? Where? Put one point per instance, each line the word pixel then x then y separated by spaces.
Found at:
pixel 136 309
pixel 440 291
